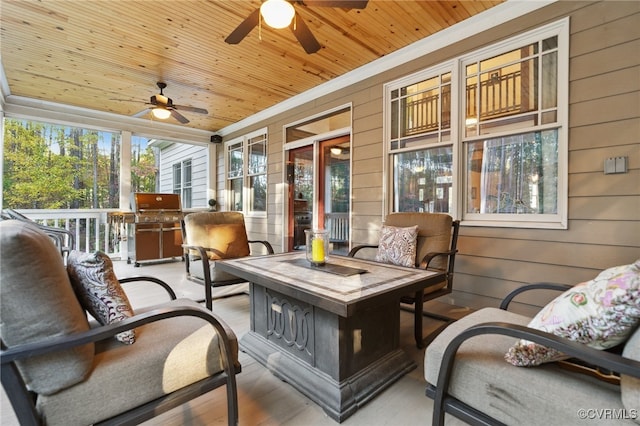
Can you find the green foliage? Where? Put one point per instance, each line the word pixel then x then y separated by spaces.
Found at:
pixel 143 171
pixel 58 167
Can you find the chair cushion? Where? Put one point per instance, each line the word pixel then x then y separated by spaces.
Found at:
pixel 600 313
pixel 99 290
pixel 397 245
pixel 630 386
pixel 167 356
pixel 434 234
pixel 222 233
pixel 219 279
pixel 545 395
pixel 37 302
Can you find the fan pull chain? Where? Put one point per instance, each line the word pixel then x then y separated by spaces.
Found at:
pixel 260 26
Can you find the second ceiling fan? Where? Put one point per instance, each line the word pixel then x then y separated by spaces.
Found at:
pixel 162 107
pixel 281 13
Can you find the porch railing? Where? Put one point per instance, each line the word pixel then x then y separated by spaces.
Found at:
pixel 338 226
pixel 90 227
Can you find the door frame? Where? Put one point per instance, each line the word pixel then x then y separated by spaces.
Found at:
pixel 316 141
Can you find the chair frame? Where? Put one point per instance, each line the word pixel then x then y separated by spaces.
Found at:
pixel 445 403
pixel 64 239
pixel 420 297
pixel 206 264
pixel 23 400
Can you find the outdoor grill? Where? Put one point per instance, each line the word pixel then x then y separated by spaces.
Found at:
pixel 152 228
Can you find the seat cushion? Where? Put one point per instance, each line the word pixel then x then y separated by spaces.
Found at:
pixel 167 356
pixel 218 276
pixel 37 302
pixel 541 395
pixel 434 234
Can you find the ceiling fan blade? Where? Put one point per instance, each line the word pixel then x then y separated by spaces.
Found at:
pixel 346 4
pixel 304 35
pixel 191 109
pixel 181 118
pixel 142 113
pixel 244 28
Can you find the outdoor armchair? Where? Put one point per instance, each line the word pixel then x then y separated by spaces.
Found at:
pixel 61 368
pixel 435 249
pixel 575 362
pixel 64 239
pixel 212 236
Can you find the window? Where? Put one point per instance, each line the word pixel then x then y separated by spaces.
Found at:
pixel 182 183
pixel 424 180
pixel 507 135
pixel 247 173
pixel 420 143
pixel 257 173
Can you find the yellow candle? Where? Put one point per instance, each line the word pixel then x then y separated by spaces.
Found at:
pixel 317 250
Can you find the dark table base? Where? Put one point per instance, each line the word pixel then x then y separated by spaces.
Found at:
pixel 339 363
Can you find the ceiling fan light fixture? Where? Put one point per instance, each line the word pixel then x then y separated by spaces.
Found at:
pixel 161 113
pixel 277 13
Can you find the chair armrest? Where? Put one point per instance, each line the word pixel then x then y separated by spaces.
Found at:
pixel 155 280
pixel 356 249
pixel 265 243
pixel 598 358
pixel 424 263
pixel 535 286
pixel 60 343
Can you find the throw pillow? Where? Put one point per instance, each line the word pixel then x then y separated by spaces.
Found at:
pixel 99 290
pixel 398 245
pixel 600 313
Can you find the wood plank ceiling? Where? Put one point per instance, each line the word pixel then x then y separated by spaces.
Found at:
pixel 108 55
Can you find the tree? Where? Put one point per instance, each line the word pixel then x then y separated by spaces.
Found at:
pixel 54 167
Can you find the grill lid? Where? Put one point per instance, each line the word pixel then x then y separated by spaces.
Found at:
pixel 142 202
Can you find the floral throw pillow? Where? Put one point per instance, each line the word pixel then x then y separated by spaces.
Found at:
pixel 600 313
pixel 398 245
pixel 99 291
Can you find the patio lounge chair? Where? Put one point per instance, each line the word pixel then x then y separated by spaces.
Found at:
pixel 60 369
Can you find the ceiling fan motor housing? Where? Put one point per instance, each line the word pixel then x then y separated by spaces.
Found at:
pixel 161 100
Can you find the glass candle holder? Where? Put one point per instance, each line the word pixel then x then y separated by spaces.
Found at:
pixel 317 246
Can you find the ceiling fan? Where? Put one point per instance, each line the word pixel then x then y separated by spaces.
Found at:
pixel 163 107
pixel 281 13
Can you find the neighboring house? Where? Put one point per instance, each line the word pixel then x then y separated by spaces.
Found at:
pixel 600 225
pixel 184 170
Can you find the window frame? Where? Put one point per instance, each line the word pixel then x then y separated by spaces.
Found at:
pixel 244 144
pixel 184 171
pixel 459 142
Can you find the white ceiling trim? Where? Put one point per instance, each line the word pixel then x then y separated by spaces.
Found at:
pixel 22 107
pixel 501 13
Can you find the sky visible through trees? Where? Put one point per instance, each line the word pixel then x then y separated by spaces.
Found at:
pixel 48 166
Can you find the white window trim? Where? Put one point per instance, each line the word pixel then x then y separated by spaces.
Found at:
pixel 245 171
pixel 544 221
